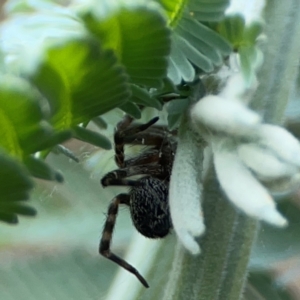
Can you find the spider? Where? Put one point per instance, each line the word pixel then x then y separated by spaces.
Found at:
pixel 148 196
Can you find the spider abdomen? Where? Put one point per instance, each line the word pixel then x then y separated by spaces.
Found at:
pixel 149 208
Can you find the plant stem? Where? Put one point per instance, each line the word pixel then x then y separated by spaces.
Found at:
pixel 219 272
pixel 281 59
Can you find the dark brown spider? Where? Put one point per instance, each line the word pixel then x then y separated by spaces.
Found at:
pixel 148 195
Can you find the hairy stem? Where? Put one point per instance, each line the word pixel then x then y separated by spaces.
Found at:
pixel 281 59
pixel 220 271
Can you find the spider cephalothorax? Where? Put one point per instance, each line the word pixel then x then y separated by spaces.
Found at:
pixel 148 195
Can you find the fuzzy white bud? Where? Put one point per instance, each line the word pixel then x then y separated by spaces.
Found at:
pixel 185 192
pixel 234 88
pixel 219 114
pixel 264 163
pixel 242 188
pixel 281 142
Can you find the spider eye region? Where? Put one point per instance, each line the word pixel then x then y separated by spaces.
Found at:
pixel 149 207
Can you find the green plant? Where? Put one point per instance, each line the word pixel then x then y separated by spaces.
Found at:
pixel 128 55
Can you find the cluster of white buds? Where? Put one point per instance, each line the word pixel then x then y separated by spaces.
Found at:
pixel 252 160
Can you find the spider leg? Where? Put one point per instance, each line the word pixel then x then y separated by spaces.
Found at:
pixel 150 137
pixel 160 129
pixel 118 177
pixel 147 157
pixel 104 247
pixel 135 128
pixel 123 130
pixel 147 138
pixel 124 123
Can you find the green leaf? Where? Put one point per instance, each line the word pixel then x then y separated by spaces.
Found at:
pixel 17 208
pixel 252 32
pixel 139 36
pixel 141 96
pixel 193 55
pixel 9 218
pixel 21 126
pixel 173 9
pixel 14 179
pixel 248 55
pixel 232 28
pixel 15 185
pixel 195 44
pixel 208 10
pixel 181 65
pixel 169 87
pixel 174 121
pixel 92 137
pixel 202 10
pixel 80 82
pixel 100 122
pixel 244 41
pixel 206 34
pixel 40 169
pixel 174 73
pixel 177 106
pixel 131 109
pixel 52 140
pixel 194 41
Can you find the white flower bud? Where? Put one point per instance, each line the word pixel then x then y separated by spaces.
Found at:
pixel 264 163
pixel 283 143
pixel 219 114
pixel 234 88
pixel 242 188
pixel 185 192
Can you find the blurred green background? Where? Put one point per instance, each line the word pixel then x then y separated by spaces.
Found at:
pixel 55 255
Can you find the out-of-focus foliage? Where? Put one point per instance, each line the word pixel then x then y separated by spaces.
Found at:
pixel 142 52
pixel 17 188
pixel 261 285
pixel 194 44
pixel 60 245
pixel 73 76
pixel 243 38
pixel 64 65
pixel 81 61
pixel 81 88
pixel 277 245
pixel 22 129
